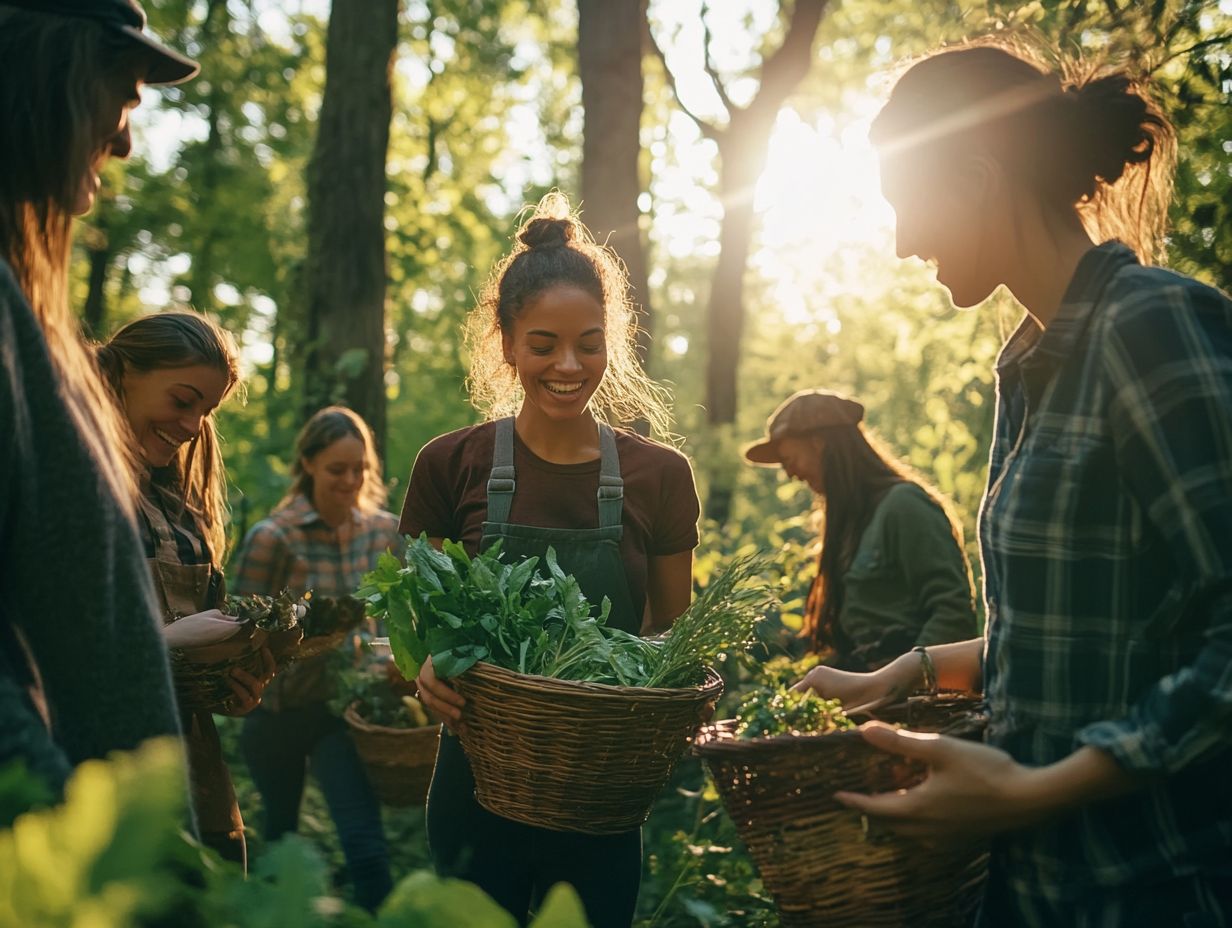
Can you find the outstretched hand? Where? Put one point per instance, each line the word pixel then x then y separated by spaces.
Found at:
pixel 972 790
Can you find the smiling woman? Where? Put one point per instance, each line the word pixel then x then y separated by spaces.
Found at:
pixel 169 371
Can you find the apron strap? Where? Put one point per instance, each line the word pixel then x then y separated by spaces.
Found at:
pixel 502 482
pixel 611 486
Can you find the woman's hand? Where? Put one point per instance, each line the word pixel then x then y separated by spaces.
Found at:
pixel 246 689
pixel 973 790
pixel 893 682
pixel 439 698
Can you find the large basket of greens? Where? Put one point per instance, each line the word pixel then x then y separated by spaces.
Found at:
pixel 777 767
pixel 392 735
pixel 211 648
pixel 569 724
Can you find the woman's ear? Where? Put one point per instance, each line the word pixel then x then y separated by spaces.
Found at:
pixel 507 347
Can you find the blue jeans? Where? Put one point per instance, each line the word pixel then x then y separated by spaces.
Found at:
pixel 280 747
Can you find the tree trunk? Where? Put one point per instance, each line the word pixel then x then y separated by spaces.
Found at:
pixel 346 269
pixel 98 250
pixel 610 65
pixel 743 145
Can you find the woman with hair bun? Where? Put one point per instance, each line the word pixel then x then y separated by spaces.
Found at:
pixel 554 358
pixel 1106 526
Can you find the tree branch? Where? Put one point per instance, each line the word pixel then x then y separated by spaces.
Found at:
pixel 782 72
pixel 1196 47
pixel 708 64
pixel 708 129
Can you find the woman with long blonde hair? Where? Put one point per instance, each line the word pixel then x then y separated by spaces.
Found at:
pixel 82 667
pixel 168 372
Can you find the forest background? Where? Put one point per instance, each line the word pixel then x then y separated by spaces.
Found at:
pixel 336 185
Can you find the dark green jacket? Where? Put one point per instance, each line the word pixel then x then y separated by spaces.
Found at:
pixel 909 583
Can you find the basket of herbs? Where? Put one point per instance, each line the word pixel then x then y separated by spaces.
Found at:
pixel 328 622
pixel 202 670
pixel 569 724
pixel 777 766
pixel 393 736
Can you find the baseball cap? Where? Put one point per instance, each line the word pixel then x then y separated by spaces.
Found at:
pixel 127 18
pixel 802 414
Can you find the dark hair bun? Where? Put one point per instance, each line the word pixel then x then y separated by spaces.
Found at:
pixel 547 232
pixel 1112 127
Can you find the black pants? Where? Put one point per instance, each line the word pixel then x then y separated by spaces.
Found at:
pixel 279 748
pixel 517 864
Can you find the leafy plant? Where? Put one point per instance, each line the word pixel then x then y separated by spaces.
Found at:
pixel 327 614
pixel 462 610
pixel 781 711
pixel 271 613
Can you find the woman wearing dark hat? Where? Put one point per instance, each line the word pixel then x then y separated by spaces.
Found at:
pixel 891 574
pixel 82 665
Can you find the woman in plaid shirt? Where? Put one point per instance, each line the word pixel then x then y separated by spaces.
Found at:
pixel 1106 528
pixel 327 532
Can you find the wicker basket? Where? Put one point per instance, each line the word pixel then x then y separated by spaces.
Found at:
pixel 824 863
pixel 316 645
pixel 581 757
pixel 399 761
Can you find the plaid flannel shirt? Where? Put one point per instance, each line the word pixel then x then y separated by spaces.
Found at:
pixel 295 549
pixel 1106 539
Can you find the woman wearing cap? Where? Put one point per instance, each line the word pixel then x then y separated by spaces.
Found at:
pixel 891 574
pixel 1105 529
pixel 82 665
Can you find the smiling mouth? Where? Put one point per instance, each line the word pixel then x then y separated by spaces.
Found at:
pixel 563 389
pixel 167 439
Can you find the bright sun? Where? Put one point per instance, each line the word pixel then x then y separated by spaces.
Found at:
pixel 820 203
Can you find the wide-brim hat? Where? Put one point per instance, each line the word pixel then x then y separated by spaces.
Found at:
pixel 803 413
pixel 125 18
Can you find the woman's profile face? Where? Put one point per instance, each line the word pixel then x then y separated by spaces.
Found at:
pixel 558 345
pixel 800 458
pixel 111 127
pixel 167 407
pixel 942 216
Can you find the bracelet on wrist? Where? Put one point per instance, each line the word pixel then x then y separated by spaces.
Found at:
pixel 927 669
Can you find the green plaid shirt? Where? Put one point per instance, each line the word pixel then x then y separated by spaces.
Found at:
pixel 1106 538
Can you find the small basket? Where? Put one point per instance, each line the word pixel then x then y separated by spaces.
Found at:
pixel 570 756
pixel 316 645
pixel 825 864
pixel 205 687
pixel 399 761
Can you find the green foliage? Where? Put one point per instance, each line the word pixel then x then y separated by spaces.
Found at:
pixel 781 711
pixel 114 855
pixel 462 610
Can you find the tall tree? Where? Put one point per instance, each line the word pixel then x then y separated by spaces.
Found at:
pixel 345 274
pixel 610 66
pixel 742 142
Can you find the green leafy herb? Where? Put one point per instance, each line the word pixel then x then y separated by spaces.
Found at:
pixel 781 711
pixel 462 610
pixel 272 613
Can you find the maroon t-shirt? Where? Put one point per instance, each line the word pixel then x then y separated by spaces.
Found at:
pixel 448 495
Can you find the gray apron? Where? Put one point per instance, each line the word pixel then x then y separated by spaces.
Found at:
pixel 500 855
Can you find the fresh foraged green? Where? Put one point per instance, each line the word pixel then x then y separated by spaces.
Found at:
pixel 781 711
pixel 462 610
